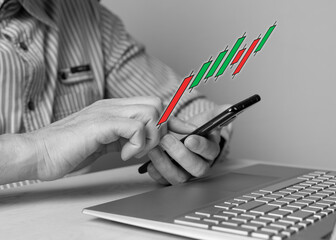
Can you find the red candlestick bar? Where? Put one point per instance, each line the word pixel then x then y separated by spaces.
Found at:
pixel 239 54
pixel 175 99
pixel 247 54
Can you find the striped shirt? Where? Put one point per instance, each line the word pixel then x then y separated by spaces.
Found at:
pixel 56 57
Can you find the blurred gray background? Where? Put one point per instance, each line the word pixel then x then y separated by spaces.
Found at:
pixel 294 73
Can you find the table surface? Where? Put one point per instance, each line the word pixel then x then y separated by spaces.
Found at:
pixel 53 210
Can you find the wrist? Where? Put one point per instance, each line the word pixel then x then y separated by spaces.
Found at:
pixel 18 158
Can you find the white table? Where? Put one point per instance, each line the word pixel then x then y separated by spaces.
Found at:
pixel 52 210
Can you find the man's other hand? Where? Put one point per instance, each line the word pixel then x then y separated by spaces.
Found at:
pixel 194 157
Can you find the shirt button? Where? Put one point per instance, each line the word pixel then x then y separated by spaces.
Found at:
pixel 23 46
pixel 31 105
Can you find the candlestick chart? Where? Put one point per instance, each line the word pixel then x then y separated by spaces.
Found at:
pixel 215 68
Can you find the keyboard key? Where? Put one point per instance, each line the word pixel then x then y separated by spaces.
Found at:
pixel 289 220
pixel 224 216
pixel 264 209
pixel 312 190
pixel 282 185
pixel 282 225
pixel 232 229
pixel 333 174
pixel 262 234
pixel 289 209
pixel 213 220
pixel 286 200
pixel 279 237
pixel 277 203
pixel 259 193
pixel 312 219
pixel 248 206
pixel 325 193
pixel 264 200
pixel 332 208
pixel 297 227
pixel 300 215
pixel 330 199
pixel 288 232
pixel 194 216
pixel 232 223
pixel 302 193
pixel 279 213
pixel 253 226
pixel 296 205
pixel 310 209
pixel 252 196
pixel 232 212
pixel 272 196
pixel 311 199
pixel 317 174
pixel 233 202
pixel 317 197
pixel 271 229
pixel 264 222
pixel 298 187
pixel 224 206
pixel 251 214
pixel 302 203
pixel 327 211
pixel 273 218
pixel 280 193
pixel 327 203
pixel 207 212
pixel 243 199
pixel 319 206
pixel 243 219
pixel 191 222
pixel 288 191
pixel 294 197
pixel 305 223
pixel 320 215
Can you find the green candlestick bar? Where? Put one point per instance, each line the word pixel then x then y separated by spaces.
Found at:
pixel 200 74
pixel 230 56
pixel 216 64
pixel 264 39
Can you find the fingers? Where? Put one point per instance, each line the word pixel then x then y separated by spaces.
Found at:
pixel 208 148
pixel 156 175
pixel 178 126
pixel 188 160
pixel 130 129
pixel 163 167
pixel 152 101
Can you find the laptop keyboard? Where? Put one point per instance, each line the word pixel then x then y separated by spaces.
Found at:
pixel 274 212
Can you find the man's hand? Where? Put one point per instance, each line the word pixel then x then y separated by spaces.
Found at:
pixel 127 125
pixel 194 156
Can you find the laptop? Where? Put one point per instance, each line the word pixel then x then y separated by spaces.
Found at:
pixel 256 202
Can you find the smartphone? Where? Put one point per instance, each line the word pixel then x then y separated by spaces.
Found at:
pixel 221 120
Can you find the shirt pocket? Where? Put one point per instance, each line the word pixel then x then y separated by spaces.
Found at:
pixel 76 89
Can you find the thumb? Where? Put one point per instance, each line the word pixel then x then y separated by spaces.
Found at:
pixel 177 125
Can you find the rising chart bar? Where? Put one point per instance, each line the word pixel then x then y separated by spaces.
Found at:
pixel 230 56
pixel 200 74
pixel 247 54
pixel 264 39
pixel 216 64
pixel 238 56
pixel 175 99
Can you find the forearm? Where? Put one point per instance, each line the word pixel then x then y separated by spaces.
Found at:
pixel 17 158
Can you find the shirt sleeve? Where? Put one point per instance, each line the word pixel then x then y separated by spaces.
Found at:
pixel 130 72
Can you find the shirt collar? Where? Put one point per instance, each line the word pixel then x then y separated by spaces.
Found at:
pixel 43 10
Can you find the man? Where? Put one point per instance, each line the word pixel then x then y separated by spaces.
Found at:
pixel 58 60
